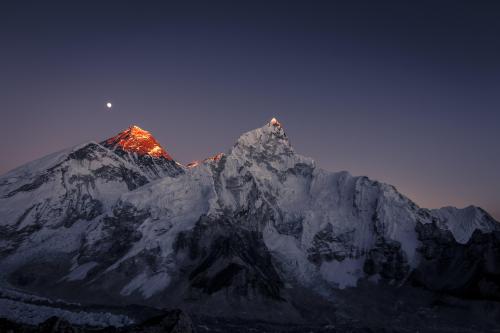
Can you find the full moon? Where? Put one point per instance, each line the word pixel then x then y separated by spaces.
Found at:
pixel 109 105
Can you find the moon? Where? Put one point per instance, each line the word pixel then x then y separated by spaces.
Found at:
pixel 109 105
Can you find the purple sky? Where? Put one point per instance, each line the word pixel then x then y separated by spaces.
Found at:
pixel 406 94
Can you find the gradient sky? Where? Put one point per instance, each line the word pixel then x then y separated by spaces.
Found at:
pixel 405 92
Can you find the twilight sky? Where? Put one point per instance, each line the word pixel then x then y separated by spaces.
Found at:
pixel 405 92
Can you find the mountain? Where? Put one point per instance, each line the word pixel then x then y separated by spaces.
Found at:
pixel 140 148
pixel 257 233
pixel 60 192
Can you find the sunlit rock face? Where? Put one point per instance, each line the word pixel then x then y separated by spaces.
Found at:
pixel 211 159
pixel 140 148
pixel 257 232
pixel 136 140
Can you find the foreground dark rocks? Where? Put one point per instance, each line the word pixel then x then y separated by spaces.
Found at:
pixel 174 321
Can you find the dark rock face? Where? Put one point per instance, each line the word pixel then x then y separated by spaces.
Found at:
pixel 388 260
pixel 93 151
pixel 158 166
pixel 36 183
pixel 154 167
pixel 328 246
pixel 119 232
pixel 224 257
pixel 132 178
pixel 174 321
pixel 117 235
pixel 469 270
pixel 56 325
pixel 290 228
pixel 88 152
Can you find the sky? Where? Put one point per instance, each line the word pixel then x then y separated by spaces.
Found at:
pixel 405 92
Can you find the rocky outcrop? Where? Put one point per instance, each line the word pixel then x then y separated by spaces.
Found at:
pixel 469 270
pixel 174 321
pixel 328 245
pixel 387 260
pixel 229 259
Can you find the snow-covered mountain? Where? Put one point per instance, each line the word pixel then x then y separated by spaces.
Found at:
pixel 55 193
pixel 257 232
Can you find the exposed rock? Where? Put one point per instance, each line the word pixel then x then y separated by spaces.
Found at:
pixel 468 270
pixel 174 321
pixel 140 148
pixel 328 245
pixel 225 257
pixel 388 260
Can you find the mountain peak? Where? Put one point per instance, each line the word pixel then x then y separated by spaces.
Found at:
pixel 214 158
pixel 268 142
pixel 274 122
pixel 136 140
pixel 135 127
pixel 275 127
pixel 137 131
